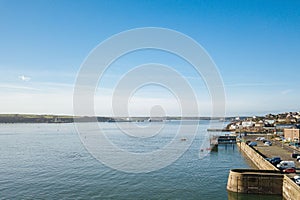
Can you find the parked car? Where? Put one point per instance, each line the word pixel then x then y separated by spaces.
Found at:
pixel 262 139
pixel 297 179
pixel 275 160
pixel 252 144
pixel 295 144
pixel 268 143
pixel 268 159
pixel 289 170
pixel 285 165
pixel 295 155
pixel 298 158
pixel 257 139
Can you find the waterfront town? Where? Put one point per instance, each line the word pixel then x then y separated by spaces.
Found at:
pixel 265 124
pixel 271 144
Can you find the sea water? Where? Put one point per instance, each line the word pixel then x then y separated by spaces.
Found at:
pixel 49 161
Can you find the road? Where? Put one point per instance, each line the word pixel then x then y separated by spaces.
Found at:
pixel 277 149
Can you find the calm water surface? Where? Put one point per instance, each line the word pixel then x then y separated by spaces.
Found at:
pixel 48 161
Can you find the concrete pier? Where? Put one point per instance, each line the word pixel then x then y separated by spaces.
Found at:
pixel 256 157
pixel 253 181
pixel 290 190
pixel 266 180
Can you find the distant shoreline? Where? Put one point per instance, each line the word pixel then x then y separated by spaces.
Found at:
pixel 34 118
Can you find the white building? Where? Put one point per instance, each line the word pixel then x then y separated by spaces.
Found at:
pixel 247 124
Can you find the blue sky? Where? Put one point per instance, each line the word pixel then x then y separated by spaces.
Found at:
pixel 255 45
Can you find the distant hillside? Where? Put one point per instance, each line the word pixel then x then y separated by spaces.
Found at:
pixel 30 118
pixel 23 118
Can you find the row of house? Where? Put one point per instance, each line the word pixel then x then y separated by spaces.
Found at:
pixel 268 123
pixel 250 123
pixel 287 117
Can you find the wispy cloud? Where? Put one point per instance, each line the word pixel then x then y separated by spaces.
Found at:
pixel 16 87
pixel 37 87
pixel 24 78
pixel 252 84
pixel 284 92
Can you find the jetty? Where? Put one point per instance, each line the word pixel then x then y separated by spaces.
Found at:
pixel 222 140
pixel 227 139
pixel 267 179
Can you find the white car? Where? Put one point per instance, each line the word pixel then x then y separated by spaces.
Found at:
pixel 262 139
pixel 297 179
pixel 268 143
pixel 298 158
pixel 285 165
